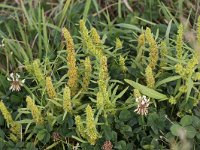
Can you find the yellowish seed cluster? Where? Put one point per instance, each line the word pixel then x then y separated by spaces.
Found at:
pixel 197 76
pixel 100 101
pixel 172 100
pixel 6 113
pixel 67 105
pixel 103 70
pixel 136 93
pixel 179 42
pixel 92 133
pixel 102 82
pixel 84 33
pixel 122 64
pixel 180 70
pixel 188 70
pixel 95 37
pixel 71 62
pixel 87 75
pixel 118 44
pixel 13 138
pixel 195 102
pixel 15 127
pixel 29 67
pixel 149 77
pixel 50 89
pixel 163 53
pixel 38 72
pixel 79 126
pixel 153 56
pixel 96 41
pixel 183 88
pixel 34 111
pixel 141 40
pixel 191 66
pixel 88 42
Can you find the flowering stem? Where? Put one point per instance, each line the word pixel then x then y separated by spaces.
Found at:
pixel 143 122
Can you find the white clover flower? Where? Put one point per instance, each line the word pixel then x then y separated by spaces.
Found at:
pixel 143 104
pixel 16 83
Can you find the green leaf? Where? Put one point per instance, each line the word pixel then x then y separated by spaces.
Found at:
pixel 30 146
pixel 147 91
pixel 176 129
pixel 107 132
pixel 41 134
pixel 168 31
pixel 120 95
pixel 52 145
pixel 186 120
pixel 86 9
pixel 198 135
pixel 169 79
pixel 124 115
pixel 129 26
pixel 190 132
pixel 121 145
pixel 196 122
pixel 189 88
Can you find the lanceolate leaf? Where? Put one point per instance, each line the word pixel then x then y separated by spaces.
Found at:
pixel 147 91
pixel 169 79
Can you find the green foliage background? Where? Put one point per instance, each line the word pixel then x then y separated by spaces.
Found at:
pixel 32 31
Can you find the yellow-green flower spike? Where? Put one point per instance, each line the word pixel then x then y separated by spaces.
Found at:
pixel 6 114
pixel 13 138
pixel 172 100
pixel 141 40
pixel 88 42
pixel 71 62
pixel 84 33
pixel 38 72
pixel 118 44
pixel 79 126
pixel 100 100
pixel 67 105
pixel 179 42
pixel 29 67
pixel 149 77
pixel 92 134
pixel 95 37
pixel 36 114
pixel 195 102
pixel 136 93
pixel 163 53
pixel 16 129
pixel 198 30
pixel 103 76
pixel 50 89
pixel 183 89
pixel 122 64
pixel 96 41
pixel 102 82
pixel 197 76
pixel 87 75
pixel 191 66
pixel 180 70
pixel 103 72
pixel 153 55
